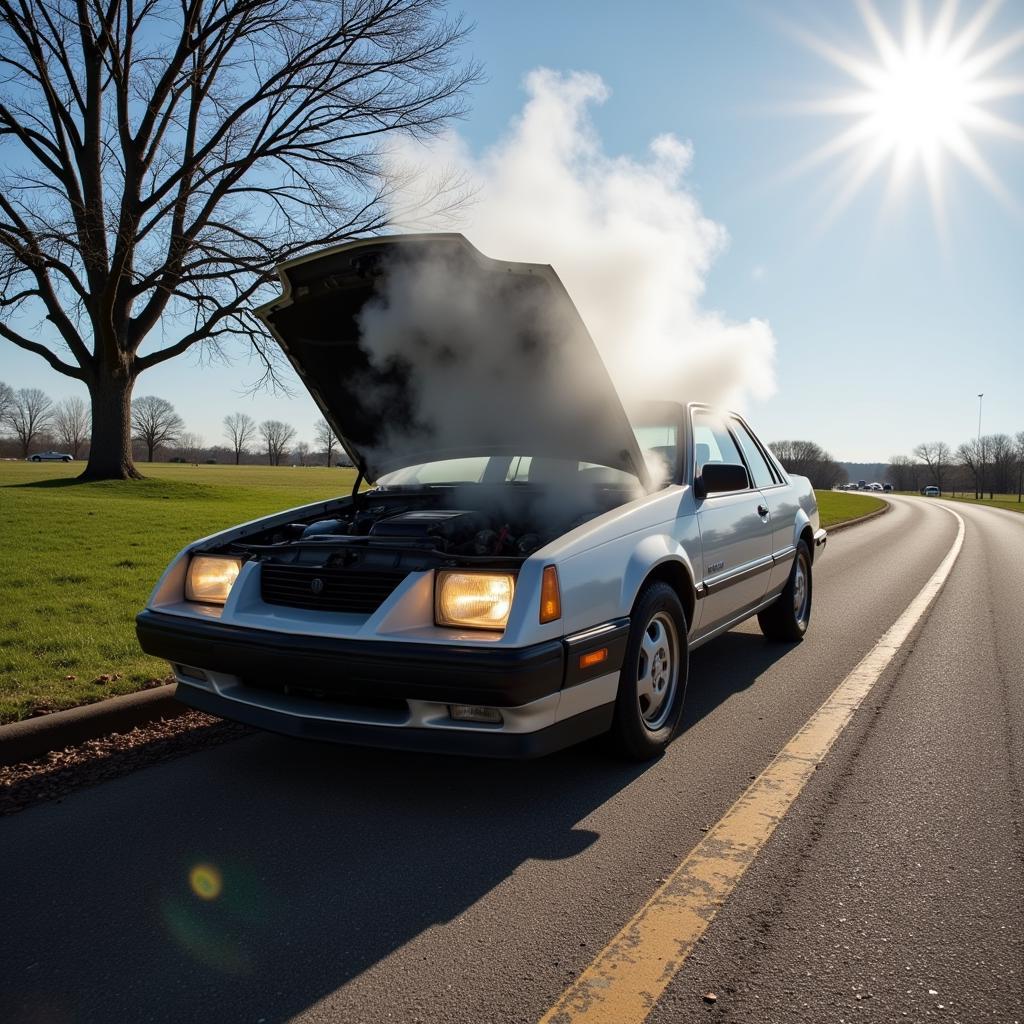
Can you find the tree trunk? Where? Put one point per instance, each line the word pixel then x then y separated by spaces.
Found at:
pixel 238 456
pixel 150 448
pixel 110 453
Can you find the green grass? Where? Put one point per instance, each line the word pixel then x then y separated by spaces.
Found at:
pixel 1007 501
pixel 79 560
pixel 837 507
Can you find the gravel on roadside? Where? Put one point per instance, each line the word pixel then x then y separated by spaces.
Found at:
pixel 63 771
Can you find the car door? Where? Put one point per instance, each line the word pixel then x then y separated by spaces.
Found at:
pixel 735 530
pixel 779 497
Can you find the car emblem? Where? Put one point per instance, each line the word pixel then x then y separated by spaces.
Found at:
pixel 317 586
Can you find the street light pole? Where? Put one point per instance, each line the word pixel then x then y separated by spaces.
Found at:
pixel 981 454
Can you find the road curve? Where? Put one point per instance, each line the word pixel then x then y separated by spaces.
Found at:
pixel 271 880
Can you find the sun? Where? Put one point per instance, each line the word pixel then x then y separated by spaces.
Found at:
pixel 920 100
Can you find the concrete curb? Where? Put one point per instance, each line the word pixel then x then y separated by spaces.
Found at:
pixel 860 519
pixel 35 737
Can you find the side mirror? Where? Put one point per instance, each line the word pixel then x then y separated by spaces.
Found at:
pixel 721 477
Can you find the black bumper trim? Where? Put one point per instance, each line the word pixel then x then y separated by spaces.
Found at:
pixel 475 743
pixel 496 677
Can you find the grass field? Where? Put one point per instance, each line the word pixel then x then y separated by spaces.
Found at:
pixel 79 560
pixel 1007 501
pixel 836 507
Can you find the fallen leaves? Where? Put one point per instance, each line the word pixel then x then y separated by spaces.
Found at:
pixel 107 677
pixel 62 771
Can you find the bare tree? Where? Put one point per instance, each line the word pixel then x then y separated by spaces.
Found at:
pixel 191 445
pixel 6 403
pixel 325 440
pixel 30 414
pixel 806 458
pixel 972 456
pixel 904 473
pixel 936 455
pixel 1019 446
pixel 1003 462
pixel 300 450
pixel 154 422
pixel 161 157
pixel 71 423
pixel 240 430
pixel 276 438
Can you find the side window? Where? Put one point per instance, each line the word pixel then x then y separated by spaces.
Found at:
pixel 756 462
pixel 712 442
pixel 519 469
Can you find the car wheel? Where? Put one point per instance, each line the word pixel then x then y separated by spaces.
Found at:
pixel 788 617
pixel 65 460
pixel 35 458
pixel 652 685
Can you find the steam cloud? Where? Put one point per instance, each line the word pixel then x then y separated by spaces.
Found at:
pixel 626 236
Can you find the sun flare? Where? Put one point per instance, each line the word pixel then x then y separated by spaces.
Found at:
pixel 920 99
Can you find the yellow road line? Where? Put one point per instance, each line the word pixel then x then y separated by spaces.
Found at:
pixel 623 983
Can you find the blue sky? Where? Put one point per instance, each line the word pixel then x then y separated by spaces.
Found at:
pixel 885 330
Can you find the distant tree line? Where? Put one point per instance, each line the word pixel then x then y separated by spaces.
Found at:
pixel 30 422
pixel 29 416
pixel 991 464
pixel 806 458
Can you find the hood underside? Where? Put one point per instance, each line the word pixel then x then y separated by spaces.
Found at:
pixel 419 348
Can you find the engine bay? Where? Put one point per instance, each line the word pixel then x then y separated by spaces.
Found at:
pixel 426 527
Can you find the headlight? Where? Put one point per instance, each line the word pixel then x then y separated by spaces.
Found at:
pixel 210 578
pixel 481 600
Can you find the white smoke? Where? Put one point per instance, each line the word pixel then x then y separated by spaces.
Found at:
pixel 626 236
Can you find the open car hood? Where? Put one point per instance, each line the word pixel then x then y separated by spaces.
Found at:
pixel 418 348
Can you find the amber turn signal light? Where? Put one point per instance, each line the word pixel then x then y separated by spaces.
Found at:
pixel 550 599
pixel 592 658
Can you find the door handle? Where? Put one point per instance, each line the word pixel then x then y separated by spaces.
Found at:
pixel 762 510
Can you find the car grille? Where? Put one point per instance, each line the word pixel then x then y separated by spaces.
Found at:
pixel 328 589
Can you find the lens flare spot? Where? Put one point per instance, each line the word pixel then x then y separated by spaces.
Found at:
pixel 206 881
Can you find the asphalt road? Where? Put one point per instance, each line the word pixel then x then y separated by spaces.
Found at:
pixel 267 880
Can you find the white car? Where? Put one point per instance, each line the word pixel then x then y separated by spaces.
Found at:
pixel 51 457
pixel 534 579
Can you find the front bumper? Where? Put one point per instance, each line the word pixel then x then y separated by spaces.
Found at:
pixel 820 540
pixel 468 741
pixel 392 694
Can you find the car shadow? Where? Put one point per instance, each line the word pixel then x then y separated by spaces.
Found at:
pixel 250 881
pixel 727 665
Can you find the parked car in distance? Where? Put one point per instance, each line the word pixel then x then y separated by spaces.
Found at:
pixel 887 488
pixel 875 487
pixel 530 578
pixel 931 491
pixel 51 457
pixel 862 485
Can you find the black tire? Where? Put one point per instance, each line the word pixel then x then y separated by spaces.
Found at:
pixel 65 460
pixel 645 723
pixel 788 617
pixel 35 458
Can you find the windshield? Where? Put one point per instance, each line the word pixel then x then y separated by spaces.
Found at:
pixel 515 469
